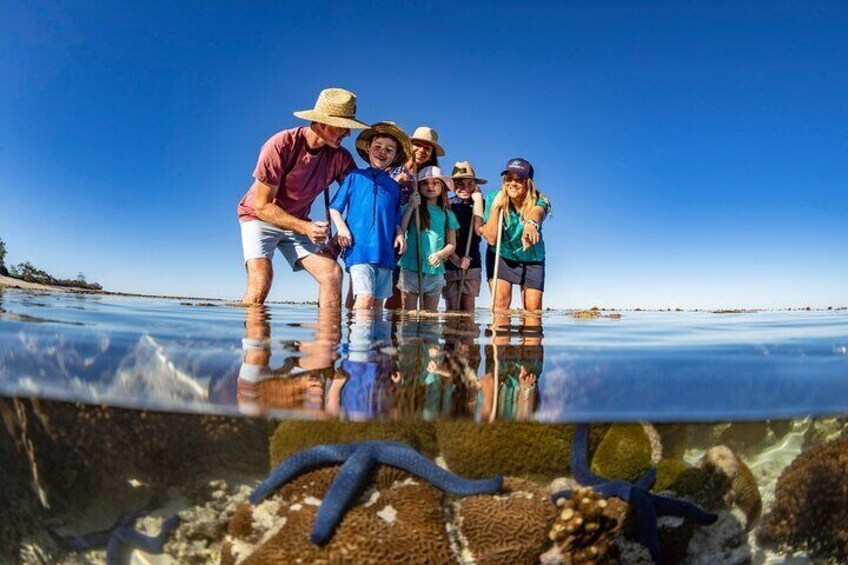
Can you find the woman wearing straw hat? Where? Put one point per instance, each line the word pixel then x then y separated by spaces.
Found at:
pixel 294 167
pixel 426 152
pixel 519 256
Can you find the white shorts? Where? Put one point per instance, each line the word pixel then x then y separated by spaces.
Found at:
pixel 259 239
pixel 371 279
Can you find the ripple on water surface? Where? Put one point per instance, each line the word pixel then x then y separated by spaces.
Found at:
pixel 293 361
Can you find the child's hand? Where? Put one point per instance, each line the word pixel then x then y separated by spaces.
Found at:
pixel 414 200
pixel 344 237
pixel 435 259
pixel 400 244
pixel 465 263
pixel 477 196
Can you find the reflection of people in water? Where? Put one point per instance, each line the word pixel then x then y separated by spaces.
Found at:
pixel 369 379
pixel 299 383
pixel 509 389
pixel 438 365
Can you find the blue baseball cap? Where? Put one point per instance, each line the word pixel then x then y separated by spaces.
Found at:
pixel 519 167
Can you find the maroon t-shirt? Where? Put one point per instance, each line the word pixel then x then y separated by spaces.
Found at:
pixel 311 172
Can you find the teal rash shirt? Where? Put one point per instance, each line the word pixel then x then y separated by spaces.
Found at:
pixel 511 246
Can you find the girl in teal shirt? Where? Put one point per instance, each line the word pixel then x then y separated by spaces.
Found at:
pixel 438 240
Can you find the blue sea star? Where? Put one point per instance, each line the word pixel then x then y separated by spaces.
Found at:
pixel 358 460
pixel 648 506
pixel 116 537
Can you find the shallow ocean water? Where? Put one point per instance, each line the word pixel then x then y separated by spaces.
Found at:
pixel 116 403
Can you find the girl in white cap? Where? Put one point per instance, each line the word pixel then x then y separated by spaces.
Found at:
pixel 438 240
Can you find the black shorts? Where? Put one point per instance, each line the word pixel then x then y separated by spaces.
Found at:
pixel 524 274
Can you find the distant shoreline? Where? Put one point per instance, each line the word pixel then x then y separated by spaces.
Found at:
pixel 10 282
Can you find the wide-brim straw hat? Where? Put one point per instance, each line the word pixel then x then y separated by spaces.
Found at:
pixel 433 172
pixel 464 170
pixel 334 107
pixel 384 128
pixel 429 136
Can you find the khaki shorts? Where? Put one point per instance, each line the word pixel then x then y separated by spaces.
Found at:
pixel 470 287
pixel 259 240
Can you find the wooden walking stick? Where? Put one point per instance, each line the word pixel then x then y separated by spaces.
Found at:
pixel 494 411
pixel 418 233
pixel 467 251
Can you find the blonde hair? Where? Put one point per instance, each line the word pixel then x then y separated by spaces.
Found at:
pixel 533 193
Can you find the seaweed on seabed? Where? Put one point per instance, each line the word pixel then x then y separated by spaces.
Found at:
pixel 648 506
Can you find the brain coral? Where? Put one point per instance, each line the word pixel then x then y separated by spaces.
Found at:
pixel 810 511
pixel 400 521
pixel 510 528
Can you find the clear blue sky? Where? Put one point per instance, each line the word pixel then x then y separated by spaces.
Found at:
pixel 696 155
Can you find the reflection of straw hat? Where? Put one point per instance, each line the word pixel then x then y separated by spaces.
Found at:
pixel 384 128
pixel 433 172
pixel 334 107
pixel 464 170
pixel 430 136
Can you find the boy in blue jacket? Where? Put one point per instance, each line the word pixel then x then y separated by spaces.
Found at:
pixel 370 231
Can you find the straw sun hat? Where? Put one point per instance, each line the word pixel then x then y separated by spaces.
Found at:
pixel 384 128
pixel 334 107
pixel 464 170
pixel 434 172
pixel 430 137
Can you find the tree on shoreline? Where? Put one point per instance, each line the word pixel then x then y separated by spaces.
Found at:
pixel 3 270
pixel 27 272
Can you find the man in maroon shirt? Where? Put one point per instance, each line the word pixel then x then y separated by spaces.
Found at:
pixel 294 167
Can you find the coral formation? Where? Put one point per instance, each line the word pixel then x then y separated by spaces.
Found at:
pixel 720 466
pixel 400 521
pixel 623 454
pixel 677 476
pixel 76 447
pixel 648 507
pixel 519 449
pixel 293 436
pixel 675 439
pixel 746 494
pixel 17 497
pixel 197 540
pixel 586 525
pixel 810 511
pixel 729 481
pixel 358 460
pixel 510 528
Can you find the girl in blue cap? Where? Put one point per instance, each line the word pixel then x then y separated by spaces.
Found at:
pixel 522 258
